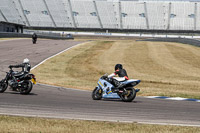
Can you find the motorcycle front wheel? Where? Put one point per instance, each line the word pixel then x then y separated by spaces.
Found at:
pixel 26 87
pixel 34 41
pixel 97 94
pixel 129 95
pixel 3 86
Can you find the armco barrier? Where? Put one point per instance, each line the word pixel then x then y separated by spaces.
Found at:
pixel 20 35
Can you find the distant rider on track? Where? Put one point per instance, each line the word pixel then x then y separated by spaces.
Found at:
pixel 34 38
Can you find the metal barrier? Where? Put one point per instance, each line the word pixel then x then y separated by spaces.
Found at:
pixel 46 36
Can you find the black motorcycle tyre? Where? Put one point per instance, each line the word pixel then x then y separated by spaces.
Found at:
pixel 3 86
pixel 130 96
pixel 96 95
pixel 27 89
pixel 34 41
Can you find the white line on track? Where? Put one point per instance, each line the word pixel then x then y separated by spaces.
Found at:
pixel 174 98
pixel 55 55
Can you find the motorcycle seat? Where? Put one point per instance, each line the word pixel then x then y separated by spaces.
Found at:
pixel 120 79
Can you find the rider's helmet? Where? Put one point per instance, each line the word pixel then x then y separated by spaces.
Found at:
pixel 34 35
pixel 118 66
pixel 26 60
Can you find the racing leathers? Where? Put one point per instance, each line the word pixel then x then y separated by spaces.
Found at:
pixel 34 36
pixel 26 67
pixel 116 80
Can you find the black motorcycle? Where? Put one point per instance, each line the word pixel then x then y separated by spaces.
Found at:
pixel 34 41
pixel 19 82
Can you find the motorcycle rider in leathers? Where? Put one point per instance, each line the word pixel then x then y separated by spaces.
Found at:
pixel 116 80
pixel 34 37
pixel 26 67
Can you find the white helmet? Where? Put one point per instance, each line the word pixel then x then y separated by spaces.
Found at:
pixel 26 60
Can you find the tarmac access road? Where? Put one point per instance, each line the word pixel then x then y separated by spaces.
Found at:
pixel 57 102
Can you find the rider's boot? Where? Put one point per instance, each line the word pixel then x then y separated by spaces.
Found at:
pixel 137 90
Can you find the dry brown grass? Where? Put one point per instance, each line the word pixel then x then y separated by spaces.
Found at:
pixel 169 69
pixel 11 124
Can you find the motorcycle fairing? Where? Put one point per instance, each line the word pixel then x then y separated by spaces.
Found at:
pixel 106 87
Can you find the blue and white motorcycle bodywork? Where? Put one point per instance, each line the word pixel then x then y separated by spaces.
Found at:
pixel 104 90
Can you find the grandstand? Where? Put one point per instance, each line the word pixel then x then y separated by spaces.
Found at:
pixel 165 15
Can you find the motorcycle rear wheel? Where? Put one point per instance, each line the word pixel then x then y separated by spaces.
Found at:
pixel 3 86
pixel 130 96
pixel 27 87
pixel 97 94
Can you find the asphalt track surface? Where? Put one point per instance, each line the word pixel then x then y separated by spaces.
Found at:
pixel 58 102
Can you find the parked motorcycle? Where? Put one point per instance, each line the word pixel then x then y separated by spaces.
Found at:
pixel 126 94
pixel 22 83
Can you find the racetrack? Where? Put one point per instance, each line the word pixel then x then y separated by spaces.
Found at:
pixel 56 102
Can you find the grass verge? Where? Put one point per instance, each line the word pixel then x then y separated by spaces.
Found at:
pixel 13 124
pixel 166 69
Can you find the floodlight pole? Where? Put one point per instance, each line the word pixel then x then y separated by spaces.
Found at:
pixel 97 13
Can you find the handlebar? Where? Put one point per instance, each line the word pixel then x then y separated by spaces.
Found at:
pixel 104 77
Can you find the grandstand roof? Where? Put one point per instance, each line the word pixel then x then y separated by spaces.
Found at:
pixel 167 0
pixel 145 0
pixel 154 0
pixel 3 22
